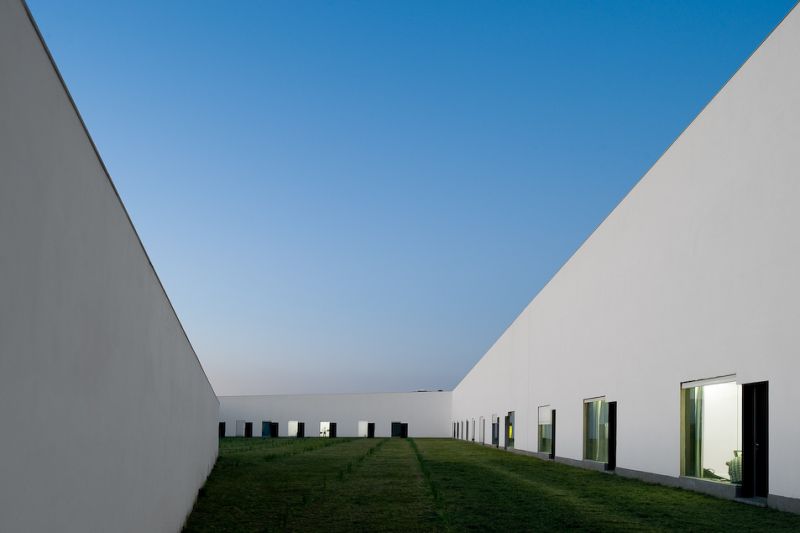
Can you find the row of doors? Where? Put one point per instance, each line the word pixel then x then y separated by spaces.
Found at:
pixel 755 438
pixel 270 429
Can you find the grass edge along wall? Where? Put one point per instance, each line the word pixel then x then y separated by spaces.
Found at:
pixel 689 284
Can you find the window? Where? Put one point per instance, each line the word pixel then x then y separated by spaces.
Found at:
pixel 595 430
pixel 545 429
pixel 324 429
pixel 510 430
pixel 711 436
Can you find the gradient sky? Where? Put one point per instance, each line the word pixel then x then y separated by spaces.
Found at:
pixel 361 196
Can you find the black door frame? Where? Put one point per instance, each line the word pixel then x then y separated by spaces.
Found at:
pixel 755 439
pixel 611 463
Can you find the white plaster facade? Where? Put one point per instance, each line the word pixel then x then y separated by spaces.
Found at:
pixel 109 422
pixel 694 275
pixel 426 413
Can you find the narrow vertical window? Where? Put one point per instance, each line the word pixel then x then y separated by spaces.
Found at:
pixel 545 429
pixel 595 430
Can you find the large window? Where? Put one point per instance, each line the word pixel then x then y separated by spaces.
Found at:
pixel 595 430
pixel 711 436
pixel 545 429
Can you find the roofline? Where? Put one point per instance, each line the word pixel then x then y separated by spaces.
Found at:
pixel 635 185
pixel 332 394
pixel 111 182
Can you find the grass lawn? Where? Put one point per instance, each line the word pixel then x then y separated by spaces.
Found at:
pixel 441 484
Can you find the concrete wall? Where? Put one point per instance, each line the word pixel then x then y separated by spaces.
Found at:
pixel 427 413
pixel 694 275
pixel 108 420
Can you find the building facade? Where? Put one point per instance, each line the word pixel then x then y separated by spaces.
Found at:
pixel 403 414
pixel 108 418
pixel 666 348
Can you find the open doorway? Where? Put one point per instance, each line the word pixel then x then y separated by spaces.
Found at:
pixel 371 430
pixel 266 429
pixel 495 431
pixel 221 430
pixel 248 429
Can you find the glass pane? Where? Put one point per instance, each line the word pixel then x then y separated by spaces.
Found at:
pixel 595 431
pixel 545 429
pixel 711 432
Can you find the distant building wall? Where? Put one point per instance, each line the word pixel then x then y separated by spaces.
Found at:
pixel 108 420
pixel 426 413
pixel 694 275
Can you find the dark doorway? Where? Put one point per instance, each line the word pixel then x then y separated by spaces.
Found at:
pixel 404 430
pixel 755 440
pixel 266 428
pixel 611 463
pixel 454 430
pixel 221 429
pixel 397 429
pixel 371 430
pixel 553 434
pixel 248 429
pixel 496 431
pixel 301 429
pixel 332 430
pixel 466 434
pixel 273 429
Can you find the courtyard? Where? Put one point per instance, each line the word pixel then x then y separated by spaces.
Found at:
pixel 345 484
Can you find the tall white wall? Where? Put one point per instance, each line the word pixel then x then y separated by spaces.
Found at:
pixel 108 420
pixel 426 413
pixel 694 275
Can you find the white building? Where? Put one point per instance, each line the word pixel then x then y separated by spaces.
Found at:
pixel 411 414
pixel 664 349
pixel 667 347
pixel 108 418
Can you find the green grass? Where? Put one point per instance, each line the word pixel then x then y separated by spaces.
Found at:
pixel 441 485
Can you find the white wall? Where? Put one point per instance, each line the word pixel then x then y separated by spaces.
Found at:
pixel 109 422
pixel 427 413
pixel 694 275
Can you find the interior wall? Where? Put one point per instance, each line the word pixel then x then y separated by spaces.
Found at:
pixel 109 422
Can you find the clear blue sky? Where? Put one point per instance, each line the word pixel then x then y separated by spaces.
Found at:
pixel 361 196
